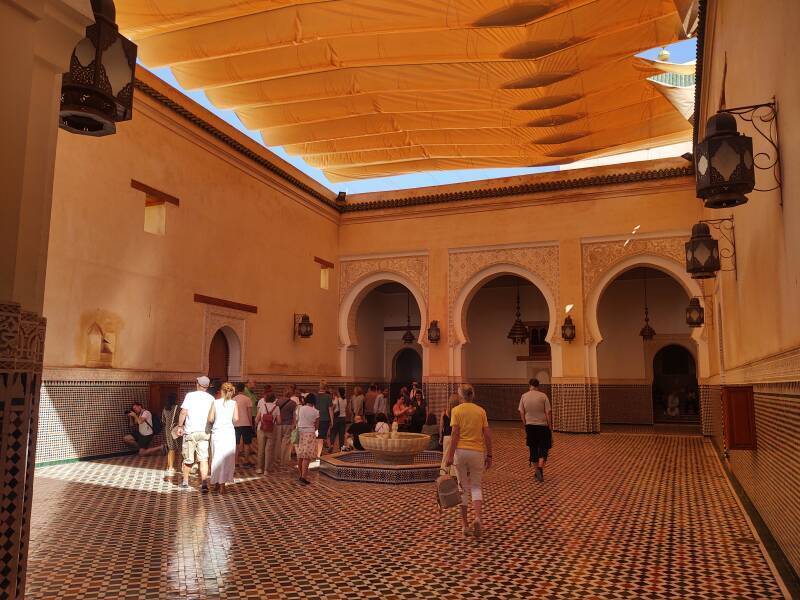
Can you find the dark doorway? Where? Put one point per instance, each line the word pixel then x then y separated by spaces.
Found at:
pixel 676 396
pixel 218 356
pixel 407 367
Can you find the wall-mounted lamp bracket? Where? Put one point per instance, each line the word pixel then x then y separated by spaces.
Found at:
pixel 764 119
pixel 726 230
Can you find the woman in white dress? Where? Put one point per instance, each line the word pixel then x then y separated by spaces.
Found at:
pixel 223 438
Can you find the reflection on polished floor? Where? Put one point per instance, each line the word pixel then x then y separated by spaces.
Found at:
pixel 619 516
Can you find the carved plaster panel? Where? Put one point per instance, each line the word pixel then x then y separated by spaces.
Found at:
pixel 463 266
pixel 599 257
pixel 413 268
pixel 21 339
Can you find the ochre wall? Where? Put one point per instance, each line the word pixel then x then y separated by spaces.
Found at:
pixel 239 234
pixel 748 60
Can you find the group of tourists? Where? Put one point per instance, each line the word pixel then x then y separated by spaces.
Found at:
pixel 239 428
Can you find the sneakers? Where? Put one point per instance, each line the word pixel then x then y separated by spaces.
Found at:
pixel 169 472
pixel 304 481
pixel 184 486
pixel 204 487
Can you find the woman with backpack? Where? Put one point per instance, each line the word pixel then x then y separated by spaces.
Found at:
pixel 267 434
pixel 169 420
pixel 339 419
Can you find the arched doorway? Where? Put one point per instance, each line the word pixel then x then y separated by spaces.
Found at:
pixel 498 368
pixel 675 393
pixel 218 357
pixel 406 367
pixel 624 357
pixel 363 302
pixel 387 321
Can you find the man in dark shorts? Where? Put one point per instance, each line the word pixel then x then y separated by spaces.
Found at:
pixel 537 419
pixel 243 427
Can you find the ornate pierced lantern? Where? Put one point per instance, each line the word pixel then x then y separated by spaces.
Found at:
pixel 97 92
pixel 568 330
pixel 518 334
pixel 724 168
pixel 434 333
pixel 695 314
pixel 702 253
pixel 304 328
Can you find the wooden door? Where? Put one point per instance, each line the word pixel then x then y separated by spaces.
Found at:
pixel 218 354
pixel 739 417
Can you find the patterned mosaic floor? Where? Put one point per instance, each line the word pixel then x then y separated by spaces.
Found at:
pixel 619 516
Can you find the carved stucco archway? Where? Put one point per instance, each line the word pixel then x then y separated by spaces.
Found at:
pixel 661 263
pixel 467 293
pixel 348 315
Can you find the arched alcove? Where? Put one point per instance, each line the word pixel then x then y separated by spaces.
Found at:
pixel 468 292
pixel 349 310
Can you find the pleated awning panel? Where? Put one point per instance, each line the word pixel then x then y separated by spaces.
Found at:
pixel 370 88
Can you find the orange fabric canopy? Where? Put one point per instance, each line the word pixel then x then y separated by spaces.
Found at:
pixel 367 88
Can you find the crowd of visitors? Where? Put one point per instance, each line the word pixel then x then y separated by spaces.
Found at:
pixel 231 427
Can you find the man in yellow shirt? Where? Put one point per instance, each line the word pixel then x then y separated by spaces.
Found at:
pixel 471 451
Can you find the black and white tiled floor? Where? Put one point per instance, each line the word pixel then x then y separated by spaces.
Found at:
pixel 619 516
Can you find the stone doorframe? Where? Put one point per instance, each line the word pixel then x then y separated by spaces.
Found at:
pixel 348 313
pixel 668 266
pixel 467 293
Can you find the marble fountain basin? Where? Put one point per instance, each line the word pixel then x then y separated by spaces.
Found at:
pixel 395 447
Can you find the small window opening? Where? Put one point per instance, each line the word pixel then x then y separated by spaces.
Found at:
pixel 155 216
pixel 325 278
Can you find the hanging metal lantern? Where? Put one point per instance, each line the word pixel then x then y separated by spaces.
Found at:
pixel 97 92
pixel 408 337
pixel 568 330
pixel 702 253
pixel 434 333
pixel 695 314
pixel 518 334
pixel 647 332
pixel 724 168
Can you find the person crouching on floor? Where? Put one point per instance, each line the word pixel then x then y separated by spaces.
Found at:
pixel 141 435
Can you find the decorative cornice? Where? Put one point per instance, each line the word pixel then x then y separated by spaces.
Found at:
pixel 522 189
pixel 232 143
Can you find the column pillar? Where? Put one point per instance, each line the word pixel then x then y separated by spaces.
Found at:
pixel 576 398
pixel 437 373
pixel 36 41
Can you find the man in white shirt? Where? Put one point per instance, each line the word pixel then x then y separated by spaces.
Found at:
pixel 192 424
pixel 536 415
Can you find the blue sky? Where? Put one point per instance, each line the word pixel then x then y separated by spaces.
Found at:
pixel 680 52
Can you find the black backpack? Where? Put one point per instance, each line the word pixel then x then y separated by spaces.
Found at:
pixel 156 425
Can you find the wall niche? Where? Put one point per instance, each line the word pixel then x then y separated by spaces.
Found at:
pixel 99 347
